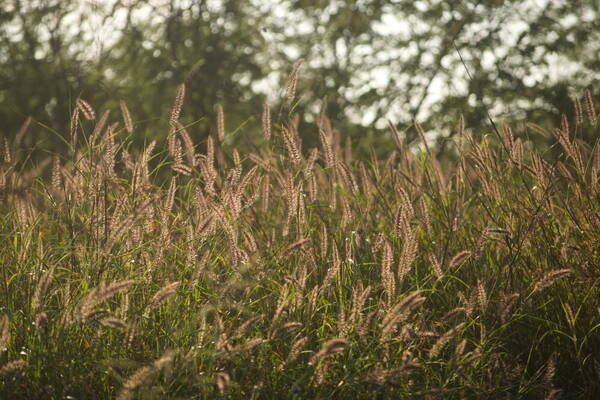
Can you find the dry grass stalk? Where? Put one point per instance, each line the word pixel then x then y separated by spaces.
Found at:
pixel 220 123
pixel 309 169
pixel 312 298
pixel 387 276
pixel 330 347
pixel 564 124
pixel 408 255
pixel 4 332
pixel 393 376
pixel 589 106
pixel 358 302
pixel 292 146
pixel 578 111
pixel 190 151
pixel 291 194
pixel 324 241
pixel 436 266
pixel 509 138
pixel 246 346
pixel 320 372
pixel 471 302
pixel 3 179
pixel 401 223
pixel 86 306
pixel 348 178
pixel 460 130
pixel 175 147
pixel 294 246
pixel 363 329
pixel 434 161
pixel 506 303
pixel 250 242
pixel 595 172
pixel 115 323
pixel 177 105
pixel 292 82
pixel 342 323
pixel 40 319
pixel 346 212
pixel 56 174
pixel 266 121
pixel 210 157
pixel 553 394
pixel 265 193
pixel 538 129
pixel 312 188
pixel 22 131
pixel 396 135
pixel 425 215
pixel 41 287
pixel 564 170
pixel 570 148
pixel 459 258
pixel 222 381
pixel 550 278
pixel 327 149
pixel 74 126
pixel 86 109
pixel 179 167
pixel 282 304
pixel 343 174
pixel 291 325
pixel 334 268
pixel 143 376
pixel 145 173
pixel 163 294
pixel 7 153
pixel 242 329
pixel 110 150
pixel 170 198
pixel 295 350
pixel 481 294
pixel 378 242
pixel 12 366
pixel 399 313
pixel 460 349
pixel 452 313
pixel 126 117
pixel 550 370
pixel 99 126
pixel 367 184
pixel 570 315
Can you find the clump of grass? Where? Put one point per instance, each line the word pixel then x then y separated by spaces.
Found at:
pixel 255 266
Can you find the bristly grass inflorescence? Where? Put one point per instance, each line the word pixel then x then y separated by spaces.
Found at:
pixel 298 265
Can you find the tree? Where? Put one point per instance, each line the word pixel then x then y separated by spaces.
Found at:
pixel 213 50
pixel 402 61
pixel 42 65
pixel 51 55
pixel 371 60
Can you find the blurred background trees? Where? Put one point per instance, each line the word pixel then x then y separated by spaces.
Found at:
pixel 369 61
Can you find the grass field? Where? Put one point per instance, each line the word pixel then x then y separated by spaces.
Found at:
pixel 192 269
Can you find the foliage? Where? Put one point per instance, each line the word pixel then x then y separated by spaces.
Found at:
pixel 370 60
pixel 402 60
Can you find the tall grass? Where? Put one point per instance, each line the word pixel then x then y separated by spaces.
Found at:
pixel 206 271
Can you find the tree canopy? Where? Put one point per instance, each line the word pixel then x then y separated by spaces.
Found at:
pixel 368 60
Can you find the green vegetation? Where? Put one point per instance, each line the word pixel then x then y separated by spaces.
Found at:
pixel 257 267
